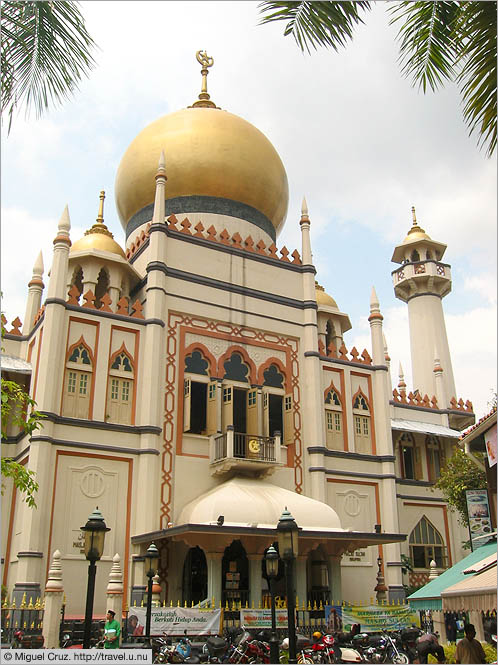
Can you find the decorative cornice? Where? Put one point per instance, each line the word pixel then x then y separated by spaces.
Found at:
pixel 351 455
pixel 99 424
pixel 95 446
pixel 350 474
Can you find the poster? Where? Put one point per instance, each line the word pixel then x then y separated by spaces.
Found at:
pixel 177 620
pixel 262 618
pixel 375 618
pixel 479 518
pixel 490 441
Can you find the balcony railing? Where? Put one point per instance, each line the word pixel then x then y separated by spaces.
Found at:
pixel 235 449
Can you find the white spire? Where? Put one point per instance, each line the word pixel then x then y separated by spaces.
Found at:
pixel 159 202
pixel 38 267
pixel 64 222
pixel 374 301
pixel 304 209
pixel 54 580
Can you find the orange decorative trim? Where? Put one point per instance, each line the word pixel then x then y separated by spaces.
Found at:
pixel 198 346
pixel 235 348
pixel 178 326
pixel 264 367
pixel 376 315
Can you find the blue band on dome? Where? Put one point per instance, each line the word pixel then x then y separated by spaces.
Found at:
pixel 206 204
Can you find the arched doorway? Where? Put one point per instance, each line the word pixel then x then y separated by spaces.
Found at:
pixel 235 574
pixel 194 586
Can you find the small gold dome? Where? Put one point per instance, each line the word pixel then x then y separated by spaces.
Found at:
pixel 416 232
pixel 97 238
pixel 209 153
pixel 323 298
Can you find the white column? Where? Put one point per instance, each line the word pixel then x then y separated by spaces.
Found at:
pixel 255 579
pixel 335 579
pixel 301 581
pixel 35 290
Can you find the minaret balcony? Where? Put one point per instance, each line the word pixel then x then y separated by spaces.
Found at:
pixel 421 277
pixel 231 452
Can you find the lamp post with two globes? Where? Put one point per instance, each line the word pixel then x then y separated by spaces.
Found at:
pixel 271 563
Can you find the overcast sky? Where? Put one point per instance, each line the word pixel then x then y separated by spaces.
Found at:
pixel 354 136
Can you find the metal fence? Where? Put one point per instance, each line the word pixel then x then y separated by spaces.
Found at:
pixel 27 616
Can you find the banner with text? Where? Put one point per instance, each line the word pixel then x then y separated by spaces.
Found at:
pixel 373 618
pixel 262 618
pixel 177 620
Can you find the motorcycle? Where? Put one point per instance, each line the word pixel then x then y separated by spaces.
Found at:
pixel 178 653
pixel 247 649
pixel 380 649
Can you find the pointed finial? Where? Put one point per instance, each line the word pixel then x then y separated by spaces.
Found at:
pixel 414 217
pixel 64 222
pixel 374 301
pixel 38 267
pixel 304 212
pixel 401 384
pixel 386 350
pixel 100 216
pixel 204 97
pixel 161 167
pixel 415 228
pixel 437 361
pixel 400 371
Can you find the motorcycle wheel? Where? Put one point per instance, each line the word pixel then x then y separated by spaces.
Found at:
pixel 305 660
pixel 401 658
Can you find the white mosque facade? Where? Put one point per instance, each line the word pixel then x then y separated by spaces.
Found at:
pixel 201 372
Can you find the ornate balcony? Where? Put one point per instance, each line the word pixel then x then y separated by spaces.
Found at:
pixel 233 451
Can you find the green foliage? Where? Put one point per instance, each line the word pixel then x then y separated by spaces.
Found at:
pixel 449 652
pixel 45 51
pixel 439 42
pixel 15 405
pixel 458 475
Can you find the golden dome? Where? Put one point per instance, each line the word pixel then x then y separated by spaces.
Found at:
pixel 97 240
pixel 215 162
pixel 416 232
pixel 323 298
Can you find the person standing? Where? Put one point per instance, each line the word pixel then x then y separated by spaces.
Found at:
pixel 112 631
pixel 469 650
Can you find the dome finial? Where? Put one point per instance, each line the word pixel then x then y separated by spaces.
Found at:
pixel 415 228
pixel 204 97
pixel 414 216
pixel 99 226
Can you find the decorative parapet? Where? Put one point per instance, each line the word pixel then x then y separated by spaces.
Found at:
pixel 331 352
pixel 222 238
pixel 122 306
pixel 416 399
pixel 16 326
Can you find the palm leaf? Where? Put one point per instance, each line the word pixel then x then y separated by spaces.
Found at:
pixel 477 64
pixel 427 44
pixel 46 50
pixel 314 24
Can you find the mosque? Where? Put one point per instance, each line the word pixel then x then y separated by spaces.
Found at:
pixel 196 383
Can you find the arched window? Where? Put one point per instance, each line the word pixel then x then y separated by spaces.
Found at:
pixel 199 396
pixel 77 383
pixel 428 255
pixel 435 457
pixel 362 424
pixel 120 390
pixel 329 333
pixel 77 279
pixel 410 459
pixel 415 256
pixel 102 286
pixel 194 587
pixel 426 544
pixel 333 420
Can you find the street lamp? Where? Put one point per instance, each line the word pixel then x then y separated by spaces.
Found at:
pixel 151 555
pixel 287 531
pixel 271 563
pixel 94 531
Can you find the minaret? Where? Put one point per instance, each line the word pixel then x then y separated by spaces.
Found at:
pixel 422 281
pixel 312 395
pixel 35 290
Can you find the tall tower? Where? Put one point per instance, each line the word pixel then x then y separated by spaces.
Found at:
pixel 422 281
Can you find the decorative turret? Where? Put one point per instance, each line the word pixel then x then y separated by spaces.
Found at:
pixel 306 256
pixel 375 319
pixel 35 291
pixel 422 281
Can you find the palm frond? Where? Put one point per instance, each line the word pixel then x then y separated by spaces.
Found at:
pixel 46 50
pixel 477 64
pixel 427 43
pixel 315 24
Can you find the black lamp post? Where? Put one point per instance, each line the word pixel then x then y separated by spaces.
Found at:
pixel 271 563
pixel 287 531
pixel 94 530
pixel 151 555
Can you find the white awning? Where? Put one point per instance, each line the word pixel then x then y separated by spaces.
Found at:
pixel 424 428
pixel 13 364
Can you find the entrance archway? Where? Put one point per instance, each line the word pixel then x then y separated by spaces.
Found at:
pixel 194 586
pixel 235 574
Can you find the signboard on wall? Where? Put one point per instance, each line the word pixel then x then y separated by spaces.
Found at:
pixel 490 441
pixel 374 618
pixel 262 618
pixel 479 516
pixel 177 620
